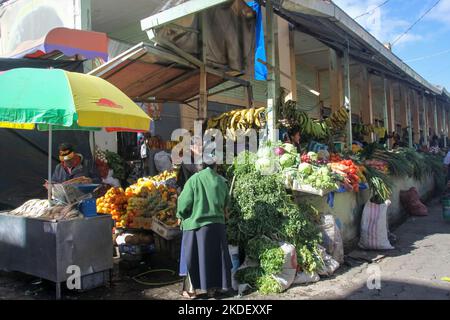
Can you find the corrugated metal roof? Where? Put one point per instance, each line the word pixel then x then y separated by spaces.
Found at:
pixel 146 73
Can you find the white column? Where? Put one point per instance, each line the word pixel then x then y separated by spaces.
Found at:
pixel 271 84
pixel 385 109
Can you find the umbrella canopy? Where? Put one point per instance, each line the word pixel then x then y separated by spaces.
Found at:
pixel 66 99
pixel 54 98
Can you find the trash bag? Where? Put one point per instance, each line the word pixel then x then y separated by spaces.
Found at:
pixel 306 277
pixel 410 200
pixel 287 276
pixel 332 239
pixel 329 264
pixel 374 230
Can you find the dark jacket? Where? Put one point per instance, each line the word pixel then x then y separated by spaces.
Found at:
pixel 82 170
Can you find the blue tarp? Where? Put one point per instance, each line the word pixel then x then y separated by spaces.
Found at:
pixel 260 49
pixel 330 198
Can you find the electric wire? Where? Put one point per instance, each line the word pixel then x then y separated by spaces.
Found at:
pixel 417 21
pixel 370 11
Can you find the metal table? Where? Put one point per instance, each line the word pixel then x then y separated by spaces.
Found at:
pixel 46 249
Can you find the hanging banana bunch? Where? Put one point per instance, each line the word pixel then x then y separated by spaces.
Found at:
pixel 338 119
pixel 244 119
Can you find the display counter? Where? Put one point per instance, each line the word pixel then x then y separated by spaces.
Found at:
pixel 46 249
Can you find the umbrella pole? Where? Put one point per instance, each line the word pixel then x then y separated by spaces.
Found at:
pixel 50 134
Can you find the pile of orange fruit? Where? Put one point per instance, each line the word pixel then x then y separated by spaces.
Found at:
pixel 115 203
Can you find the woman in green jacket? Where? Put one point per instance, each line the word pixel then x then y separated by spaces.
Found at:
pixel 205 261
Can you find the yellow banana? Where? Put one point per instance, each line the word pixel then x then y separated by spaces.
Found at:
pixel 249 115
pixel 234 120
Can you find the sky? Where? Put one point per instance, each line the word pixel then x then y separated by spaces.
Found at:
pixel 425 48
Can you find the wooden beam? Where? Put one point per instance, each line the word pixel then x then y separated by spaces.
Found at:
pixel 416 116
pixel 366 101
pixel 391 107
pixel 347 95
pixel 403 106
pixel 436 129
pixel 170 83
pixel 203 93
pixel 444 125
pixel 425 120
pixel 293 63
pixel 409 117
pixel 179 51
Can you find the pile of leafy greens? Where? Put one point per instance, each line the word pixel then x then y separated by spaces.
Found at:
pixel 261 207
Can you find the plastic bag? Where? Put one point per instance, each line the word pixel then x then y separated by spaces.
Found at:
pixel 332 239
pixel 330 265
pixel 110 180
pixel 287 276
pixel 163 161
pixel 306 277
pixel 234 255
pixel 144 151
pixel 374 231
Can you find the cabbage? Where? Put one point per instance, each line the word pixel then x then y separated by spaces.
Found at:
pixel 265 152
pixel 266 165
pixel 313 156
pixel 305 168
pixel 289 148
pixel 279 151
pixel 324 171
pixel 287 160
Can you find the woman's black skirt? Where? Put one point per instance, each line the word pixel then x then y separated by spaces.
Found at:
pixel 205 255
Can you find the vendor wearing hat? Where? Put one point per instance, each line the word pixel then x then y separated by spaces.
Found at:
pixel 71 165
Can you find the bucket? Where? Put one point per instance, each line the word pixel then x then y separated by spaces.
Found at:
pixel 445 201
pixel 446 213
pixel 88 207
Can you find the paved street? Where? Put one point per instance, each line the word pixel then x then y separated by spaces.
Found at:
pixel 412 271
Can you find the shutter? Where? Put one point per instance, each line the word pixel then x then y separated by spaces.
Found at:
pixel 305 99
pixel 324 88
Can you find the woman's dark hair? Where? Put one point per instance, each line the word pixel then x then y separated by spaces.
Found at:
pixel 293 131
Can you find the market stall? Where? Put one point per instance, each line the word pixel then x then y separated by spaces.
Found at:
pixel 287 204
pixel 44 237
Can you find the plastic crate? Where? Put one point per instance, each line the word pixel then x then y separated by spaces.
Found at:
pixel 165 231
pixel 88 207
pixel 142 223
pixel 136 249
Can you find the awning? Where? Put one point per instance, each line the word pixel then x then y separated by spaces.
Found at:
pixel 148 73
pixel 70 42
